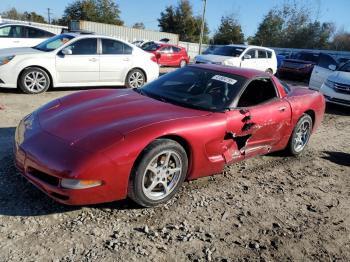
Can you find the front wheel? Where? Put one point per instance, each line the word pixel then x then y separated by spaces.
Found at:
pixel 301 135
pixel 159 173
pixel 34 80
pixel 135 78
pixel 269 70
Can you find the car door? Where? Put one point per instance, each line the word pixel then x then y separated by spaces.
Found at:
pixel 166 54
pixel 261 120
pixel 249 59
pixel 321 71
pixel 82 65
pixel 262 62
pixel 12 36
pixel 115 60
pixel 176 56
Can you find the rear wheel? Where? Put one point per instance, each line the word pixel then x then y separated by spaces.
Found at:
pixel 301 135
pixel 183 63
pixel 135 78
pixel 34 80
pixel 159 173
pixel 269 70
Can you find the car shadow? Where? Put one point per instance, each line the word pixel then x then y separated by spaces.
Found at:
pixel 18 197
pixel 335 109
pixel 339 158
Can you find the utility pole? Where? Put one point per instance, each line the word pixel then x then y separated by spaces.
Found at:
pixel 49 15
pixel 202 28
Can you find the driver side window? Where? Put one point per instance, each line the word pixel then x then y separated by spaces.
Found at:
pixel 257 92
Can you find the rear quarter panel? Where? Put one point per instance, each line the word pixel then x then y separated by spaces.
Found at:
pixel 303 100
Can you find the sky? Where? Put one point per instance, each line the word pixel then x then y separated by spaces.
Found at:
pixel 249 13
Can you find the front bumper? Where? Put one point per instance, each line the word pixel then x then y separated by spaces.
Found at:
pixel 334 97
pixel 8 76
pixel 44 160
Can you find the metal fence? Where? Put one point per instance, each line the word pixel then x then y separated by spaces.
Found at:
pixel 122 32
pixel 55 29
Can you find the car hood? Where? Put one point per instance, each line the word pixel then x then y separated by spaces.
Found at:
pixel 298 61
pixel 212 58
pixel 340 77
pixel 93 120
pixel 19 51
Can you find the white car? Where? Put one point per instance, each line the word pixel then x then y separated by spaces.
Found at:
pixel 254 57
pixel 336 88
pixel 19 35
pixel 71 60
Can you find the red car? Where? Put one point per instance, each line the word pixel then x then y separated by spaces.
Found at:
pixel 168 55
pixel 104 145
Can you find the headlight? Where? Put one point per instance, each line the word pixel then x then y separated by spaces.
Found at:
pixel 5 59
pixel 25 124
pixel 329 83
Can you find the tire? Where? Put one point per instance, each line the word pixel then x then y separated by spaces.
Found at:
pixel 34 80
pixel 152 181
pixel 183 63
pixel 299 138
pixel 135 78
pixel 269 70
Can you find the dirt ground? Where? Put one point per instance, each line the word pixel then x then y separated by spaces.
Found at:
pixel 270 208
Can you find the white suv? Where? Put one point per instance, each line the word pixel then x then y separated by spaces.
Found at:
pixel 254 57
pixel 19 35
pixel 69 60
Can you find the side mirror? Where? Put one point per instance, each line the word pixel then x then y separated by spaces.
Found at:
pixel 332 67
pixel 247 57
pixel 67 51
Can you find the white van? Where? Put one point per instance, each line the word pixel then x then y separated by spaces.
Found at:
pixel 246 56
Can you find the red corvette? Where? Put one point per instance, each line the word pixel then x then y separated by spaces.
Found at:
pixel 104 145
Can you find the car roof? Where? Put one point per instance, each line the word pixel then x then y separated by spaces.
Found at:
pixel 251 46
pixel 245 72
pixel 22 24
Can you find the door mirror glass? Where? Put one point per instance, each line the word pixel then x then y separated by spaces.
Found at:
pixel 247 57
pixel 67 51
pixel 332 67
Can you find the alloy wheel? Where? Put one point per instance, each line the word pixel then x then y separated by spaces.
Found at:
pixel 35 81
pixel 302 135
pixel 136 79
pixel 161 175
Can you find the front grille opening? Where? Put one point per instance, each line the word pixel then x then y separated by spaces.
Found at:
pixel 51 180
pixel 59 196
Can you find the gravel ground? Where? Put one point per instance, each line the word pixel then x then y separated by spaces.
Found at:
pixel 265 209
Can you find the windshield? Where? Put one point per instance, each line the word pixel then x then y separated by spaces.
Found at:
pixel 196 88
pixel 306 57
pixel 345 67
pixel 151 47
pixel 228 51
pixel 53 43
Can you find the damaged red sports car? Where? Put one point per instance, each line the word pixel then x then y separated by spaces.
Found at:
pixel 104 145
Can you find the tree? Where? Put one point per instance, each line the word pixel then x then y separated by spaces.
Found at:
pixel 180 20
pixel 341 41
pixel 102 11
pixel 26 16
pixel 139 25
pixel 292 25
pixel 229 31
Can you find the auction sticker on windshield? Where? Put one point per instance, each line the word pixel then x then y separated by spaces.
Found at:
pixel 224 79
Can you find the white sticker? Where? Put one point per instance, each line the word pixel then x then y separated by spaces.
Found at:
pixel 224 79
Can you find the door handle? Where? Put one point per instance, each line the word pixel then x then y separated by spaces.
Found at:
pixel 17 41
pixel 282 108
pixel 93 60
pixel 126 59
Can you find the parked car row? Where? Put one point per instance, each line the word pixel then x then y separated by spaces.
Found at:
pixel 73 59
